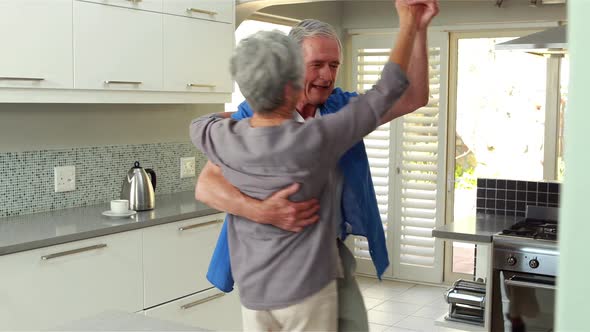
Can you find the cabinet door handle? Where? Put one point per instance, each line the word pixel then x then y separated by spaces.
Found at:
pixel 134 1
pixel 195 85
pixel 71 252
pixel 207 299
pixel 202 11
pixel 123 82
pixel 184 228
pixel 8 78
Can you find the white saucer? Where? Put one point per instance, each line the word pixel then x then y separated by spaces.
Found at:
pixel 112 214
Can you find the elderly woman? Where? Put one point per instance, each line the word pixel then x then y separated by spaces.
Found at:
pixel 287 281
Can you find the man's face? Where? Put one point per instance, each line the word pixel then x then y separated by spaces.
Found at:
pixel 321 56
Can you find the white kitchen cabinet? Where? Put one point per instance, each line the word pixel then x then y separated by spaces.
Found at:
pixel 112 51
pixel 117 48
pixel 214 10
pixel 153 5
pixel 176 257
pixel 209 309
pixel 44 288
pixel 197 54
pixel 36 44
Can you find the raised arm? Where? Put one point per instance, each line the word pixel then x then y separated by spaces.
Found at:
pixel 402 50
pixel 362 115
pixel 417 94
pixel 214 190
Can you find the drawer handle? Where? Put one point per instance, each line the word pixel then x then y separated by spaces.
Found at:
pixel 71 252
pixel 123 82
pixel 194 85
pixel 202 11
pixel 8 78
pixel 135 1
pixel 184 228
pixel 207 299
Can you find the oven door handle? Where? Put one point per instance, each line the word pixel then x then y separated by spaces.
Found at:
pixel 505 300
pixel 528 284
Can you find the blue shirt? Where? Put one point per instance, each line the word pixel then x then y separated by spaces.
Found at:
pixel 360 213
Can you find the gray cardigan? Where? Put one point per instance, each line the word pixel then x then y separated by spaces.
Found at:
pixel 274 268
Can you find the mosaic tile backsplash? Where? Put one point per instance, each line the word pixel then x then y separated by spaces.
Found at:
pixel 27 184
pixel 510 197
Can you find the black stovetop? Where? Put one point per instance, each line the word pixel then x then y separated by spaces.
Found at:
pixel 534 229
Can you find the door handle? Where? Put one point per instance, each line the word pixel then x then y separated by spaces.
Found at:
pixel 201 301
pixel 123 82
pixel 528 284
pixel 195 85
pixel 202 11
pixel 184 228
pixel 71 252
pixel 10 78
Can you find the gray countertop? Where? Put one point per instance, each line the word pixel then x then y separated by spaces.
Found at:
pixel 478 228
pixel 39 230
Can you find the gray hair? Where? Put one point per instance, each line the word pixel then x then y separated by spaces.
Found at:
pixel 310 28
pixel 263 65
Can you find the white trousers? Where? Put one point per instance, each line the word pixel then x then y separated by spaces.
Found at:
pixel 318 312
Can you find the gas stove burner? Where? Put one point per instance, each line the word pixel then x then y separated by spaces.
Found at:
pixel 534 228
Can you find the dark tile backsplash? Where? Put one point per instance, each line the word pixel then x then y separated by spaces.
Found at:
pixel 510 197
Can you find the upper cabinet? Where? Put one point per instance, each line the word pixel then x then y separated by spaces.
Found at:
pixel 207 59
pixel 214 10
pixel 125 54
pixel 116 51
pixel 153 5
pixel 36 44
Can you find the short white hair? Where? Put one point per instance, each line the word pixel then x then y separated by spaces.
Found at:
pixel 311 28
pixel 263 65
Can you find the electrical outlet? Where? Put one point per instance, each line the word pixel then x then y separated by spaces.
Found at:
pixel 64 178
pixel 187 167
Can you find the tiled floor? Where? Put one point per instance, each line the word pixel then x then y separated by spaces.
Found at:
pixel 394 306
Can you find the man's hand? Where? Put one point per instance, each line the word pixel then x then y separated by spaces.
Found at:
pixel 279 211
pixel 426 10
pixel 406 12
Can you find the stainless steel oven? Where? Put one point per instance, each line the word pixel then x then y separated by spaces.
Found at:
pixel 523 289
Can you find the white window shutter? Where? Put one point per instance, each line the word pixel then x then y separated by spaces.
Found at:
pixel 407 160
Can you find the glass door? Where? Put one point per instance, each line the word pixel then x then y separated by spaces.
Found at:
pixel 497 127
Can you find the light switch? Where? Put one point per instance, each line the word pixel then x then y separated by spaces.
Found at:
pixel 187 167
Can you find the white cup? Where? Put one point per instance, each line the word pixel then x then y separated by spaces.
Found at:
pixel 119 205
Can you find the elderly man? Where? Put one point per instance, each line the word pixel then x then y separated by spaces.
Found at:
pixel 287 280
pixel 349 187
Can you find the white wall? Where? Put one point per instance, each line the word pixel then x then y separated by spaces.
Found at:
pixel 29 127
pixel 573 286
pixel 330 12
pixel 381 14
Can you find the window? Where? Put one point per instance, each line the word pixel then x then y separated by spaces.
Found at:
pixel 500 117
pixel 246 29
pixel 406 157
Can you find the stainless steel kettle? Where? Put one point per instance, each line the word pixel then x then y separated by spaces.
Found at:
pixel 138 188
